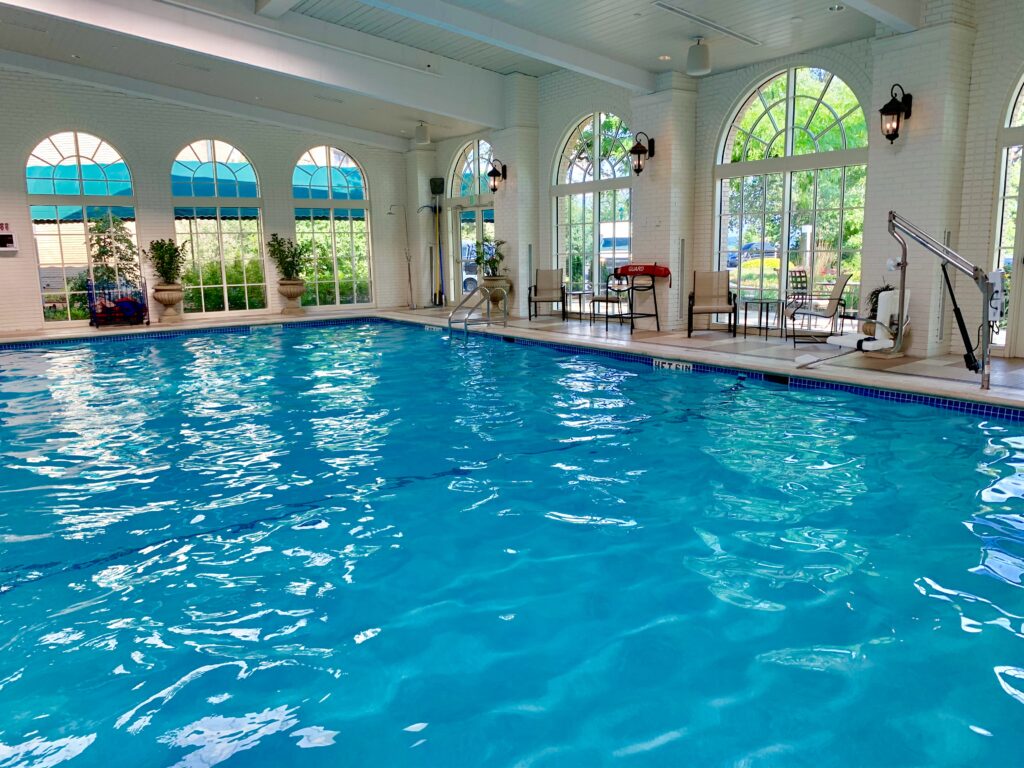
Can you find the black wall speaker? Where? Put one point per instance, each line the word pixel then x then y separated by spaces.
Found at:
pixel 437 186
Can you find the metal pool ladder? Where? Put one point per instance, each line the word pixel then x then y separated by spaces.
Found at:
pixel 468 306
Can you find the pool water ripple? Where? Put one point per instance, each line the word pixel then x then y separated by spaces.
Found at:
pixel 373 546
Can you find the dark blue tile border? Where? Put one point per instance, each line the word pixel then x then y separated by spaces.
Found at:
pixel 1008 413
pixel 946 403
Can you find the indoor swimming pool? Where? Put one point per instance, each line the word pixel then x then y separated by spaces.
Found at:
pixel 369 545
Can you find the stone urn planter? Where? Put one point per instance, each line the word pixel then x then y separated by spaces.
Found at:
pixel 292 291
pixel 492 283
pixel 170 295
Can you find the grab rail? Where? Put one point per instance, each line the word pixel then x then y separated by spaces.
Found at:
pixel 485 298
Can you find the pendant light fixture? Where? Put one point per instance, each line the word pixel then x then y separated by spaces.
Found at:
pixel 698 58
pixel 422 133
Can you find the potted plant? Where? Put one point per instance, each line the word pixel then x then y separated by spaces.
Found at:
pixel 869 325
pixel 289 259
pixel 488 259
pixel 168 259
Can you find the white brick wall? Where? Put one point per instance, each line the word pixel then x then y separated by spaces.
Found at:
pixel 149 133
pixel 962 68
pixel 997 69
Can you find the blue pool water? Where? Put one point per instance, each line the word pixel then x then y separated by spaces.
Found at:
pixel 368 546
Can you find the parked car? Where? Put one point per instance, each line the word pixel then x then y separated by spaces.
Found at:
pixel 753 250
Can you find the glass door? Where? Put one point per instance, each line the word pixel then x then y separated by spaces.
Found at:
pixel 473 224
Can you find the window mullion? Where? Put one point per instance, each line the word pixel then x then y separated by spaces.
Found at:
pixel 785 236
pixel 220 254
pixel 790 110
pixel 842 222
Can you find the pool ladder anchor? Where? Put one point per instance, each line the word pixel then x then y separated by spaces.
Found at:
pixel 468 307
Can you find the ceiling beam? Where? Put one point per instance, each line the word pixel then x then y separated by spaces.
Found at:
pixel 477 26
pixel 899 15
pixel 446 88
pixel 274 9
pixel 218 104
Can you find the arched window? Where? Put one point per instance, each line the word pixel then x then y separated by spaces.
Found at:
pixel 472 206
pixel 222 235
pixel 1009 248
pixel 71 178
pixel 469 172
pixel 592 194
pixel 337 229
pixel 792 177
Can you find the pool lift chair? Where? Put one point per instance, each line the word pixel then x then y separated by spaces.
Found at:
pixel 892 321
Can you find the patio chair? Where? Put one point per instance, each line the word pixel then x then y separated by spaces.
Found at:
pixel 711 296
pixel 616 294
pixel 807 309
pixel 798 293
pixel 547 288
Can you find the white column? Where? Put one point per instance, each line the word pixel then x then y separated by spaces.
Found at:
pixel 420 167
pixel 662 204
pixel 921 174
pixel 515 203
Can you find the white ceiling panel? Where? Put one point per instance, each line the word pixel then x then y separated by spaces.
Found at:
pixel 634 32
pixel 372 21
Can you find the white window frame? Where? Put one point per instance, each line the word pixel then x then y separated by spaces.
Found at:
pixel 459 203
pixel 786 165
pixel 561 189
pixel 217 202
pixel 333 204
pixel 1010 135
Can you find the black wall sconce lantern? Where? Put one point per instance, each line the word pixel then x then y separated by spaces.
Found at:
pixel 497 174
pixel 895 112
pixel 640 152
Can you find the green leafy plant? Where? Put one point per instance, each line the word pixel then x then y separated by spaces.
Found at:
pixel 288 257
pixel 167 258
pixel 873 299
pixel 112 251
pixel 489 256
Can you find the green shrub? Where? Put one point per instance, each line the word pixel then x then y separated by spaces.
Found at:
pixel 289 258
pixel 167 258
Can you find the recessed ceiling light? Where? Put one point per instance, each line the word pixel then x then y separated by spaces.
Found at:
pixel 664 57
pixel 837 8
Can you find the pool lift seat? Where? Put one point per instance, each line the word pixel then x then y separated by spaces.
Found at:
pixel 890 327
pixel 880 335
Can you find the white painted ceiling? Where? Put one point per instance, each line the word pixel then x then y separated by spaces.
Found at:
pixel 623 32
pixel 355 15
pixel 92 48
pixel 631 31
